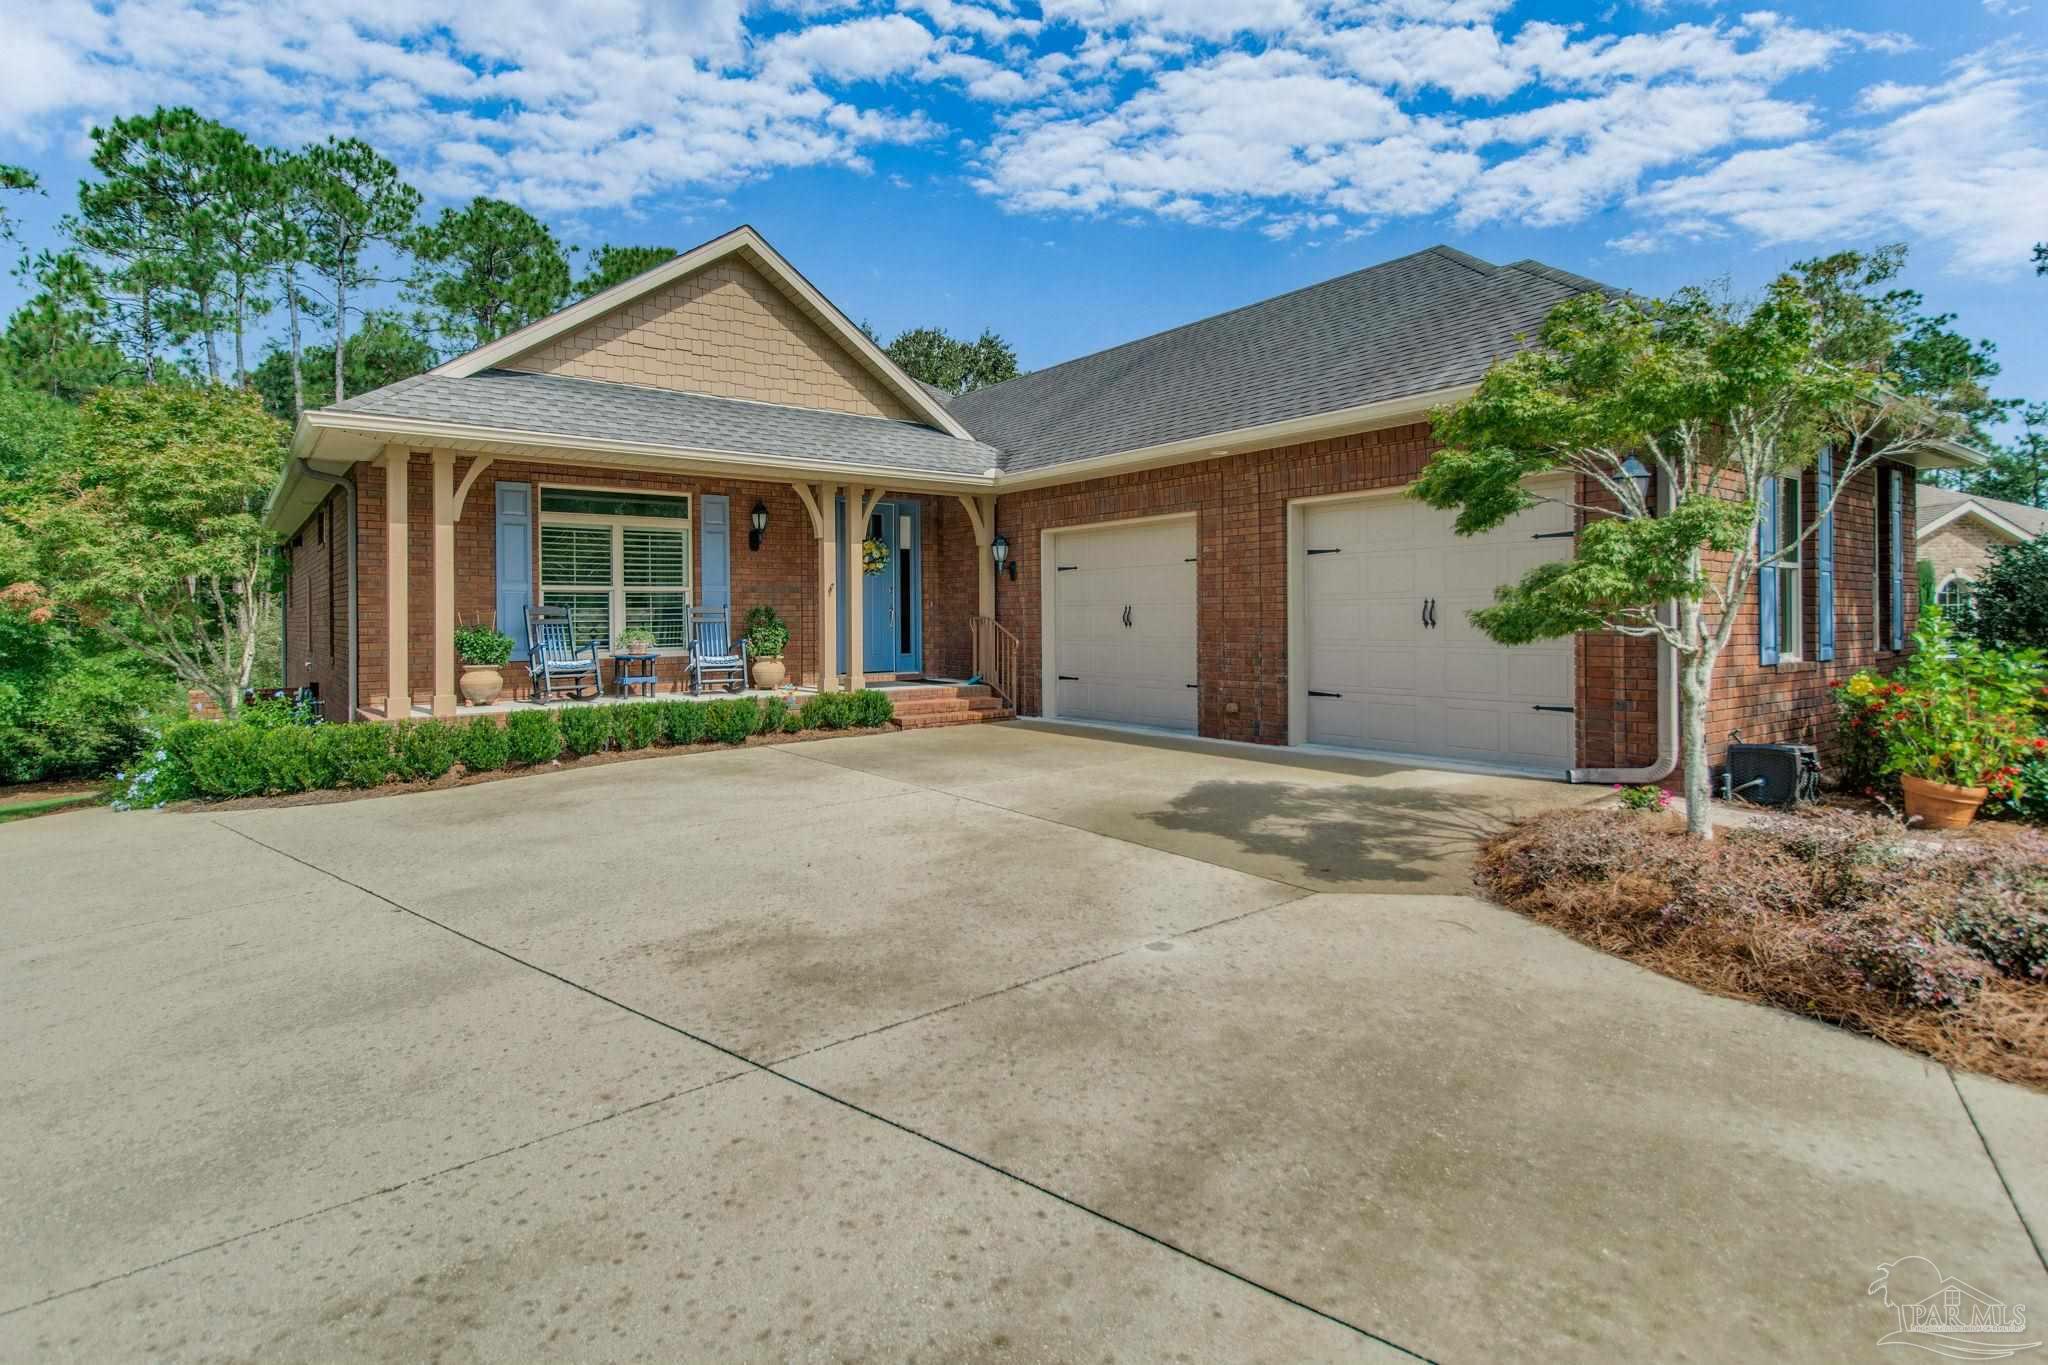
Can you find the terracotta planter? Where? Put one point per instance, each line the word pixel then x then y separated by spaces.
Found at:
pixel 480 685
pixel 769 673
pixel 1937 805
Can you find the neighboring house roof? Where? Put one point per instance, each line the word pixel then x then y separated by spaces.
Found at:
pixel 1941 507
pixel 1410 327
pixel 549 407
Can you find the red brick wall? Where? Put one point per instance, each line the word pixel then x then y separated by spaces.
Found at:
pixel 315 641
pixel 1240 504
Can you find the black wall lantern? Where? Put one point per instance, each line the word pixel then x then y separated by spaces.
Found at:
pixel 760 520
pixel 999 550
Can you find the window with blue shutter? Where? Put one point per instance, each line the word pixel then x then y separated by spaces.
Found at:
pixel 1767 574
pixel 1824 558
pixel 515 561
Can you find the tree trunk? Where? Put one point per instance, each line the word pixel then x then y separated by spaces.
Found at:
pixel 241 325
pixel 212 340
pixel 1694 684
pixel 340 331
pixel 291 308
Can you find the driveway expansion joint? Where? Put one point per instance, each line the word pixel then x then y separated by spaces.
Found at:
pixel 769 1069
pixel 2033 1237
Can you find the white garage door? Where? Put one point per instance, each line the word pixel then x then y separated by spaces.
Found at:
pixel 1123 627
pixel 1394 663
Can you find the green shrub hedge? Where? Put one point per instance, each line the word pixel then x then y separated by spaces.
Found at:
pixel 223 759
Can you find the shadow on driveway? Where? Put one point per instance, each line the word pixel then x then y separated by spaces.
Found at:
pixel 1343 835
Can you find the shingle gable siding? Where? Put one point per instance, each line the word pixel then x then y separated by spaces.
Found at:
pixel 724 330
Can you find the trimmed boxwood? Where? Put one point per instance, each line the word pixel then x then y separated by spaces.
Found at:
pixel 587 729
pixel 482 745
pixel 732 720
pixel 534 736
pixel 295 760
pixel 359 755
pixel 872 708
pixel 636 725
pixel 228 762
pixel 426 750
pixel 682 722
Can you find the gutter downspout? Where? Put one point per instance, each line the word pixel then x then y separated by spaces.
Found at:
pixel 348 490
pixel 1667 703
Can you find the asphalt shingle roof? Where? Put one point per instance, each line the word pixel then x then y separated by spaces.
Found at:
pixel 1410 326
pixel 555 405
pixel 1934 501
pixel 1423 322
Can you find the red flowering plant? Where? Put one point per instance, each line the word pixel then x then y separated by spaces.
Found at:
pixel 1956 713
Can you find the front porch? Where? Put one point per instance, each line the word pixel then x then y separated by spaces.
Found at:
pixel 454 537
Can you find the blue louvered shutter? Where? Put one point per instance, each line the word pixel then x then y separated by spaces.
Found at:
pixel 515 561
pixel 1767 575
pixel 1897 569
pixel 1824 557
pixel 714 533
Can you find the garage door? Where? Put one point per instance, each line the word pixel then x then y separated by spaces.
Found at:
pixel 1394 663
pixel 1123 627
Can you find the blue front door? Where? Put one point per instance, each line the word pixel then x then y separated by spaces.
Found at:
pixel 892 616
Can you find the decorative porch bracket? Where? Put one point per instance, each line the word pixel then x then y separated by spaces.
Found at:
pixel 981 511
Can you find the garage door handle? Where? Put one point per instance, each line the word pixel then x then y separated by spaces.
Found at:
pixel 1127 618
pixel 1429 612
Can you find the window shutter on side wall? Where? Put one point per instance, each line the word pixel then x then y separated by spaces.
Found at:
pixel 714 532
pixel 1824 557
pixel 515 561
pixel 1897 570
pixel 1767 575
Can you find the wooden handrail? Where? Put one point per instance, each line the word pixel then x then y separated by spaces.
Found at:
pixel 996 655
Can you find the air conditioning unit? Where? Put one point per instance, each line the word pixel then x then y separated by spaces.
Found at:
pixel 1771 774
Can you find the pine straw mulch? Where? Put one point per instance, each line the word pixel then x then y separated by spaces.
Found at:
pixel 1937 946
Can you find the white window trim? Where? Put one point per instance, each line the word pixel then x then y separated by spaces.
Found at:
pixel 1792 574
pixel 618 589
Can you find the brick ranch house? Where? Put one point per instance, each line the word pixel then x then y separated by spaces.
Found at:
pixel 1205 528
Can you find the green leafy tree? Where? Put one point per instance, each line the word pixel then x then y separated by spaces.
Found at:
pixel 168 169
pixel 20 180
pixel 55 343
pixel 383 351
pixel 353 201
pixel 946 362
pixel 485 270
pixel 1712 398
pixel 150 530
pixel 2008 605
pixel 2019 467
pixel 612 265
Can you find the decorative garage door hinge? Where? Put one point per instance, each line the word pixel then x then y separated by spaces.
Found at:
pixel 1066 677
pixel 1337 551
pixel 1554 535
pixel 1313 693
pixel 1568 710
pixel 1066 568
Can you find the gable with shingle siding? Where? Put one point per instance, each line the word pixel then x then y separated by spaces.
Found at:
pixel 727 331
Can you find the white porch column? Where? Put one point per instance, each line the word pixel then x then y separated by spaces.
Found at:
pixel 398 666
pixel 444 583
pixel 818 500
pixel 981 511
pixel 856 582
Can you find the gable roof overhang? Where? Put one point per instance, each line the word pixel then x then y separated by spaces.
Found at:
pixel 749 245
pixel 1977 511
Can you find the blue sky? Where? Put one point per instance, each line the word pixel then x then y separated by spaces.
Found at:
pixel 1080 172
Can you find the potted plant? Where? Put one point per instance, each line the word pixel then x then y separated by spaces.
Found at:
pixel 1954 723
pixel 635 640
pixel 485 652
pixel 767 638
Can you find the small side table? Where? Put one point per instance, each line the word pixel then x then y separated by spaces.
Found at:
pixel 633 671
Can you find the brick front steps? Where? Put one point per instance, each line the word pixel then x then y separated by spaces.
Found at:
pixel 929 707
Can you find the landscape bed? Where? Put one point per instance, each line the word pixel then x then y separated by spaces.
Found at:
pixel 1938 946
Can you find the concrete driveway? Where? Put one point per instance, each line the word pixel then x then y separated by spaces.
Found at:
pixel 967 1044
